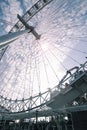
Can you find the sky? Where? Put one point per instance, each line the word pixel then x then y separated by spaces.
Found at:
pixel 31 66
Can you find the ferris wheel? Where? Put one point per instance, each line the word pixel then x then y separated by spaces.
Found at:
pixel 34 65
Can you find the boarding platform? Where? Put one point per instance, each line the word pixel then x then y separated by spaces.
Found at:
pixel 75 89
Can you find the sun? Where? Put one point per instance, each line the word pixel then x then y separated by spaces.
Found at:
pixel 45 45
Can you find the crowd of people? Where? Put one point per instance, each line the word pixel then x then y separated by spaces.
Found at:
pixel 52 124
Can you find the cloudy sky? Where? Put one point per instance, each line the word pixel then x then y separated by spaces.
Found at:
pixel 30 66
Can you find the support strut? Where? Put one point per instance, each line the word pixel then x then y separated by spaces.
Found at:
pixel 5 40
pixel 27 26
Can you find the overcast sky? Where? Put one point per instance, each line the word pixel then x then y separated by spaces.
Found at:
pixel 30 66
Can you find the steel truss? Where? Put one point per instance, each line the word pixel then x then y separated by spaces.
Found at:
pixel 40 100
pixel 30 13
pixel 32 102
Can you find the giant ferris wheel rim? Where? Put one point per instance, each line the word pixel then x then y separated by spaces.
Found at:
pixel 22 99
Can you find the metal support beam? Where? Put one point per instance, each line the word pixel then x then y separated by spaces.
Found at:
pixel 5 40
pixel 27 26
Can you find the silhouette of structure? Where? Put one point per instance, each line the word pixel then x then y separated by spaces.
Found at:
pixel 62 107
